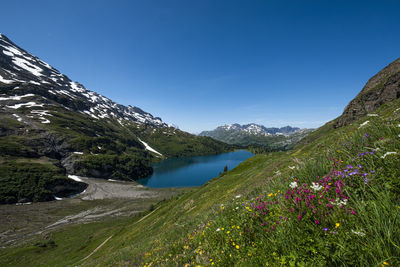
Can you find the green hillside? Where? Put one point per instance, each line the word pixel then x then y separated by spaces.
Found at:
pixel 252 216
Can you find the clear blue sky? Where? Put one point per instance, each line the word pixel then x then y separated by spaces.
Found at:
pixel 203 63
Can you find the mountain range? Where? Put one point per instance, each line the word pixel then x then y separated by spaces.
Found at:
pixel 52 127
pixel 257 135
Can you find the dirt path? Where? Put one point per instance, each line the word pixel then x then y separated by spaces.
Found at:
pixel 96 249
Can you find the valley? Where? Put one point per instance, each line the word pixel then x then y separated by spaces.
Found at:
pixel 86 181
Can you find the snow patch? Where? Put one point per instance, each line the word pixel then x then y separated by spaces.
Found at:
pixel 26 65
pixel 17 97
pixel 363 124
pixel 75 178
pixel 5 81
pixel 147 147
pixel 29 105
pixel 18 117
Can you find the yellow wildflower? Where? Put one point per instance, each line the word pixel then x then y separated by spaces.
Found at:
pixel 237 246
pixel 385 263
pixel 228 232
pixel 337 225
pixel 238 227
pixel 222 228
pixel 270 194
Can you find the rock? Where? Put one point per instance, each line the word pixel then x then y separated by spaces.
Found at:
pixel 384 87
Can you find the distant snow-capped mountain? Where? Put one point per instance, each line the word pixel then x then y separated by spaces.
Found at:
pixel 256 129
pixel 259 135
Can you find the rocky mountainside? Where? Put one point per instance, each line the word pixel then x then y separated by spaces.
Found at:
pixel 381 88
pixel 257 135
pixel 20 71
pixel 52 127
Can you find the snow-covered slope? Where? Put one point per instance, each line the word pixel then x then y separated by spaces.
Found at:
pixel 19 68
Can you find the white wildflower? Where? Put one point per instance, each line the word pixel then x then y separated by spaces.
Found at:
pixel 358 233
pixel 237 208
pixel 238 196
pixel 372 115
pixel 340 203
pixel 316 187
pixel 387 154
pixel 292 167
pixel 363 124
pixel 218 230
pixel 293 185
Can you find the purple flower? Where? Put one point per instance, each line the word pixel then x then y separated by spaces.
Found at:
pixel 325 229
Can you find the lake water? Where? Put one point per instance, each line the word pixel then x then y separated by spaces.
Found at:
pixel 192 171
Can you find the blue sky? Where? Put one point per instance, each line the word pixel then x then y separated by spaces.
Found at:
pixel 199 64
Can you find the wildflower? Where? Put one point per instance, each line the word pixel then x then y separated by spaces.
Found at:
pixel 385 263
pixel 238 227
pixel 340 203
pixel 222 228
pixel 372 115
pixel 337 225
pixel 316 187
pixel 293 184
pixel 238 196
pixel 218 230
pixel 317 222
pixel 358 233
pixel 387 154
pixel 237 246
pixel 270 195
pixel 325 229
pixel 292 167
pixel 228 232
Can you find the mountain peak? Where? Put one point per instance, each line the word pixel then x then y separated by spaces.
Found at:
pixel 21 70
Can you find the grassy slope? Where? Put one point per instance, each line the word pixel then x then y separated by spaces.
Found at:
pixel 183 230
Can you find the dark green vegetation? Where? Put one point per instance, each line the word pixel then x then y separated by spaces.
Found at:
pixel 34 181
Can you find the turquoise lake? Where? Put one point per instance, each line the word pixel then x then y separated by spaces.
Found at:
pixel 192 171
